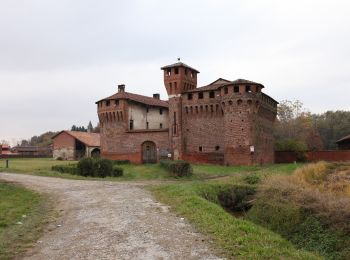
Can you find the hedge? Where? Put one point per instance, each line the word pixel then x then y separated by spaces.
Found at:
pixel 94 167
pixel 177 168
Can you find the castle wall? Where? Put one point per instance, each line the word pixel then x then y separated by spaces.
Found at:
pixel 203 128
pixel 155 116
pixel 118 142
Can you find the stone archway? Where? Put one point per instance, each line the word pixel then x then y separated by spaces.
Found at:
pixel 95 153
pixel 149 152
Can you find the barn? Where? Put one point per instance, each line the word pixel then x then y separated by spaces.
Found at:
pixel 73 145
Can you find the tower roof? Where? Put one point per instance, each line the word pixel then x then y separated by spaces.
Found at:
pixel 178 64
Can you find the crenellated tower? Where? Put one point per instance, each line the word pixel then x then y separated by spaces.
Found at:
pixel 178 77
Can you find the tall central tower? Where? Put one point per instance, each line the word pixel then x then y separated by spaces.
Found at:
pixel 178 77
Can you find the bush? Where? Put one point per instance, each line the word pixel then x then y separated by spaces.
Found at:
pixel 237 198
pixel 102 168
pixel 86 167
pixel 70 168
pixel 252 179
pixel 117 172
pixel 177 168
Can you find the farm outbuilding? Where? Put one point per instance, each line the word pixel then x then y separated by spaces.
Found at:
pixel 73 145
pixel 344 143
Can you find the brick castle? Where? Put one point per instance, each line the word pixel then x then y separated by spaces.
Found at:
pixel 225 122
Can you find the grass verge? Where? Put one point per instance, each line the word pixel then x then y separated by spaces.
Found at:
pixel 23 215
pixel 238 238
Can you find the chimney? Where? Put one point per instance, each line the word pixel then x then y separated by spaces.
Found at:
pixel 121 88
pixel 156 96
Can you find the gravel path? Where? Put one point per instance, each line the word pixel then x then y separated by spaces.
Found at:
pixel 108 220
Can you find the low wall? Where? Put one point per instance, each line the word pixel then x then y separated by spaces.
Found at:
pixel 314 156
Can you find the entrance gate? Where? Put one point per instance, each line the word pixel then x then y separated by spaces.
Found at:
pixel 149 154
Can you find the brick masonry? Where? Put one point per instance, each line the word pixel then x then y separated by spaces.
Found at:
pixel 225 122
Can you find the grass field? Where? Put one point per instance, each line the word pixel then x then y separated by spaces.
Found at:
pixel 42 167
pixel 196 199
pixel 22 218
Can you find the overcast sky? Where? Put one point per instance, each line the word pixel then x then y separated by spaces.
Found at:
pixel 57 57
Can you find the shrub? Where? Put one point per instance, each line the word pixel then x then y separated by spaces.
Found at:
pixel 102 168
pixel 86 167
pixel 252 179
pixel 117 172
pixel 177 168
pixel 237 198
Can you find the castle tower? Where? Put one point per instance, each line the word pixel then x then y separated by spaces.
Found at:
pixel 178 77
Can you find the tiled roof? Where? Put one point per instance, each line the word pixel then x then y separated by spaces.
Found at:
pixel 89 139
pixel 223 82
pixel 343 139
pixel 138 98
pixel 178 64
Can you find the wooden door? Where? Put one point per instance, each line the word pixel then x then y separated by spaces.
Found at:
pixel 149 152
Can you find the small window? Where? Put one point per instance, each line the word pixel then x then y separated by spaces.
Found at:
pixel 189 96
pixel 186 108
pixel 175 86
pixel 108 103
pixel 200 95
pixel 171 88
pixel 161 111
pixel 131 124
pixel 211 94
pixel 117 102
pixel 186 72
pixel 176 70
pixel 217 148
pixel 248 88
pixel 160 125
pixel 147 125
pixel 236 89
pixel 226 90
pixel 192 74
pixel 168 72
pixel 200 148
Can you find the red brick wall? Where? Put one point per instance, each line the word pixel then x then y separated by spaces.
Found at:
pixel 63 140
pixel 328 155
pixel 312 156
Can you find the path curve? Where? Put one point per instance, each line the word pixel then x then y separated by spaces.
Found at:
pixel 109 220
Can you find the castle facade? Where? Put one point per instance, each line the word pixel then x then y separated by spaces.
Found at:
pixel 225 122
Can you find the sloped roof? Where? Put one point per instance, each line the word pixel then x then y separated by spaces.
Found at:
pixel 220 82
pixel 345 138
pixel 178 64
pixel 89 139
pixel 138 98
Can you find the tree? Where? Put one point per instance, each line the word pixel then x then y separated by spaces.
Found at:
pixel 332 125
pixel 295 128
pixel 90 127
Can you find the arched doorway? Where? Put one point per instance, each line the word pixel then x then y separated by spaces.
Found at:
pixel 149 154
pixel 95 153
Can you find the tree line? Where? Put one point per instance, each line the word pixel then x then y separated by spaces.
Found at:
pixel 297 129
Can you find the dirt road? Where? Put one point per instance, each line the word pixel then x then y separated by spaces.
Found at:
pixel 108 220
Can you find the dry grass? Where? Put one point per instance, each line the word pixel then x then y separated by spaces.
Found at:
pixel 321 189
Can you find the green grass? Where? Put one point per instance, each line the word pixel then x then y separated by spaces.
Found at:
pixel 42 167
pixel 237 238
pixel 18 204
